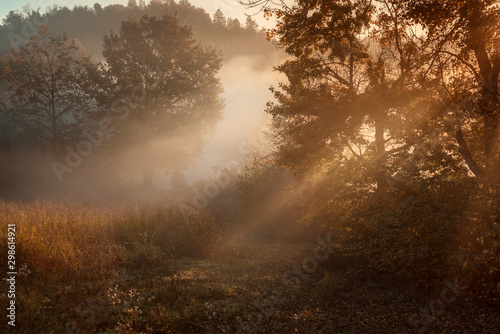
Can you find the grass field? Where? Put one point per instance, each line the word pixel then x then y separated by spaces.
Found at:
pixel 144 269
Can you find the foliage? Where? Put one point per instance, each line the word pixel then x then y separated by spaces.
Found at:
pixel 268 205
pixel 26 171
pixel 89 23
pixel 49 93
pixel 389 121
pixel 219 19
pixel 386 138
pixel 172 88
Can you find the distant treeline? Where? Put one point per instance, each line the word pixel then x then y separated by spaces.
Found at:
pixel 90 24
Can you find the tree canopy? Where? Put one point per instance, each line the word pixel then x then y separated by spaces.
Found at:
pixel 48 89
pixel 171 87
pixel 389 117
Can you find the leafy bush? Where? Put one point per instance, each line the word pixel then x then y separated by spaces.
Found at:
pixel 407 236
pixel 269 203
pixel 407 231
pixel 477 261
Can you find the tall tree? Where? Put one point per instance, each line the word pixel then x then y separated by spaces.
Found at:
pixel 48 89
pixel 425 97
pixel 357 68
pixel 465 35
pixel 172 88
pixel 318 113
pixel 233 24
pixel 132 4
pixel 250 24
pixel 219 19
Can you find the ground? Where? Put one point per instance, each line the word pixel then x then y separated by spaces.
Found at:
pixel 247 287
pixel 247 292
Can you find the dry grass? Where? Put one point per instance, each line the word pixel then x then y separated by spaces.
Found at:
pixel 68 257
pixel 144 269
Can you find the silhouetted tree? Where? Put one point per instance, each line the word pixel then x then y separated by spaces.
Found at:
pixel 318 112
pixel 219 19
pixel 250 24
pixel 48 90
pixel 418 104
pixel 172 88
pixel 132 4
pixel 465 34
pixel 233 24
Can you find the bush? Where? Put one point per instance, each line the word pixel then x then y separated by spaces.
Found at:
pixel 405 232
pixel 268 203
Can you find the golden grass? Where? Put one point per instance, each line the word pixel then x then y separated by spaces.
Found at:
pixel 68 256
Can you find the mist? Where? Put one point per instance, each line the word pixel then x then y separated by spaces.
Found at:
pixel 244 126
pixel 91 168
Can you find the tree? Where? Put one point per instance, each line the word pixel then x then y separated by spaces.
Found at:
pixel 219 19
pixel 354 67
pixel 172 89
pixel 132 4
pixel 233 24
pixel 417 102
pixel 318 113
pixel 250 24
pixel 48 91
pixel 465 53
pixel 465 34
pixel 98 8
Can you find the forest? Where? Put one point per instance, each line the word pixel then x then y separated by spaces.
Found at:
pixel 366 201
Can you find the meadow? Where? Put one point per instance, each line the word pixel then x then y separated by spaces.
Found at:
pixel 144 268
pixel 73 261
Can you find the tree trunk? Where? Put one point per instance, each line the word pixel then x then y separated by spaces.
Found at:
pixel 381 177
pixel 489 71
pixel 490 108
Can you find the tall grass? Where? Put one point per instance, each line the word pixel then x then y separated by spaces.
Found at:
pixel 68 256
